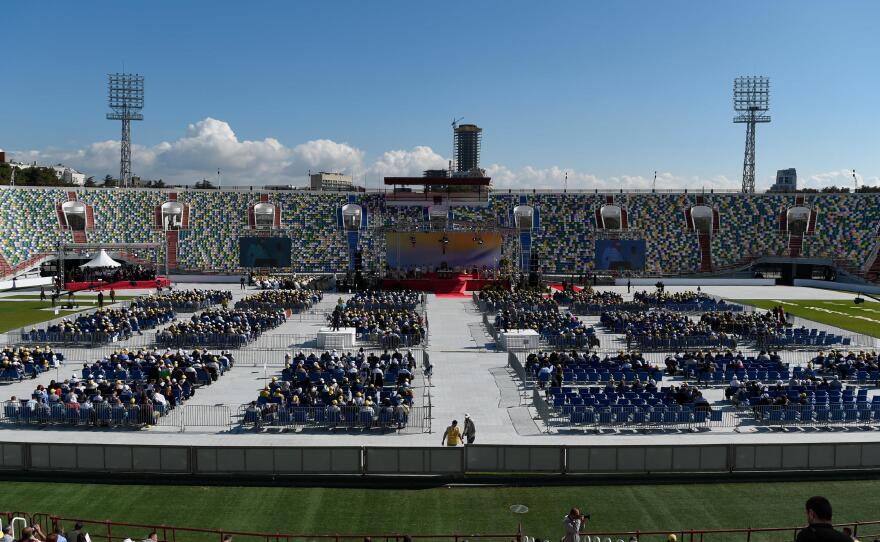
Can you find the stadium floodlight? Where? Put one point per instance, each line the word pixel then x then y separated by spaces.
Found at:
pixel 751 100
pixel 125 96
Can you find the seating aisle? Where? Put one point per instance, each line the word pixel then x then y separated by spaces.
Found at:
pixel 462 379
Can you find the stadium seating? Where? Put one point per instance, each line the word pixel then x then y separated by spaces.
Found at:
pixel 123 389
pixel 337 391
pixel 846 226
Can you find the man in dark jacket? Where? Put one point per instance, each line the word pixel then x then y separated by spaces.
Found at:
pixel 470 430
pixel 819 527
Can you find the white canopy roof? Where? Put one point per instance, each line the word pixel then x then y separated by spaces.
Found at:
pixel 102 260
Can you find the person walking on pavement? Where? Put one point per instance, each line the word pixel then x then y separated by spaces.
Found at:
pixel 452 435
pixel 470 430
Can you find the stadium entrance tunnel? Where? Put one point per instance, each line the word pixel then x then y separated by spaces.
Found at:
pixel 798 220
pixel 74 215
pixel 352 217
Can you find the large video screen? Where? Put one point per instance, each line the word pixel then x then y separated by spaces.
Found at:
pixel 615 254
pixel 428 251
pixel 264 251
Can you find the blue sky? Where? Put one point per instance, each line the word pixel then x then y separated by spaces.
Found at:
pixel 607 91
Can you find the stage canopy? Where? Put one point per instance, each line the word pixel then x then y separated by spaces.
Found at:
pixel 101 260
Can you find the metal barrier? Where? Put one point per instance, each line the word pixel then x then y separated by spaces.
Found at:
pixel 588 309
pixel 384 419
pixel 614 417
pixel 110 531
pixel 413 419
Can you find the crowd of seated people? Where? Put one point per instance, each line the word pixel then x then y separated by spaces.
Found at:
pixel 638 403
pixel 688 300
pixel 711 366
pixel 769 329
pixel 385 299
pixel 847 365
pixel 294 300
pixel 338 390
pixel 553 326
pixel 221 327
pixel 390 327
pixel 284 282
pixel 184 300
pixel 498 298
pixel 588 298
pixel 804 400
pixel 664 329
pixel 556 368
pixel 103 325
pixel 127 273
pixel 130 388
pixel 813 393
pixel 19 362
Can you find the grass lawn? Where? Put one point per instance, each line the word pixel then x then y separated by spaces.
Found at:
pixel 446 510
pixel 16 314
pixel 863 318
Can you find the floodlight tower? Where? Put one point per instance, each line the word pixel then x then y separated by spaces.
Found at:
pixel 751 99
pixel 125 95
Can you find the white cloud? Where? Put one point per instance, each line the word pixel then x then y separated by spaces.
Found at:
pixel 842 178
pixel 211 144
pixel 402 163
pixel 555 178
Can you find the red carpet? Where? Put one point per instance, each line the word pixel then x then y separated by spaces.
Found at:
pixel 457 285
pixel 453 295
pixel 118 285
pixel 558 287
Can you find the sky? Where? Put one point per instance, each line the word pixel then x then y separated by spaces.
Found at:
pixel 605 92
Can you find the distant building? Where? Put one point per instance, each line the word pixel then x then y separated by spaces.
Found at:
pixel 467 141
pixel 338 182
pixel 64 173
pixel 2 157
pixel 786 181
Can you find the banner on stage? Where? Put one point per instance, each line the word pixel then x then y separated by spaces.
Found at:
pixel 429 251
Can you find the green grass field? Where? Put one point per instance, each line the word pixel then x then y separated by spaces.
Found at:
pixel 16 314
pixel 446 510
pixel 863 318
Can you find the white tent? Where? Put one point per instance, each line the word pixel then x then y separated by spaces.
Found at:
pixel 101 260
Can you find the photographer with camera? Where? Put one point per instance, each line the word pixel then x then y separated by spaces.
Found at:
pixel 572 524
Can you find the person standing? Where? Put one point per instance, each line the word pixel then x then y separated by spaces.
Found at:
pixel 242 281
pixel 42 294
pixel 100 300
pixel 452 435
pixel 572 524
pixel 470 430
pixel 819 527
pixel 628 285
pixel 112 295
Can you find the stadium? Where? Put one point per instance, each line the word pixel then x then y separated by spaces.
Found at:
pixel 441 357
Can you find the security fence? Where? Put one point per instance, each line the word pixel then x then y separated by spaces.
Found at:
pixel 560 414
pixel 110 531
pixel 217 418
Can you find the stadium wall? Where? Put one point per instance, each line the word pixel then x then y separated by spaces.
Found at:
pixel 253 462
pixel 843 226
pixel 840 286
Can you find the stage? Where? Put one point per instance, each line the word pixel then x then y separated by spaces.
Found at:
pixel 431 282
pixel 99 285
